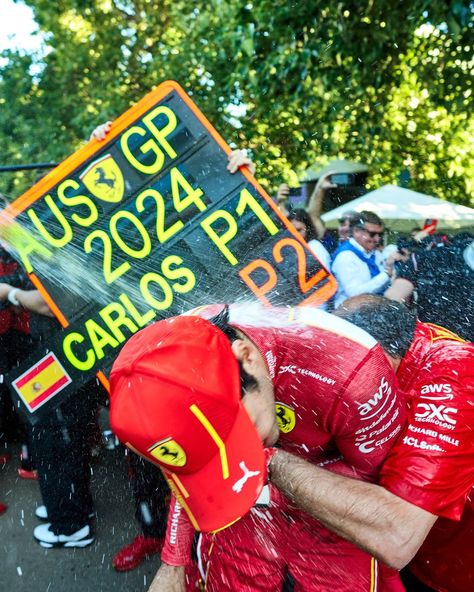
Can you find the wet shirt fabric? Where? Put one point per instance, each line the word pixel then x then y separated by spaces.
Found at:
pixel 337 405
pixel 444 286
pixel 445 561
pixel 432 464
pixel 335 392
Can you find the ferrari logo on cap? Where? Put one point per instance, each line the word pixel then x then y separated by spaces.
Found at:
pixel 104 179
pixel 168 452
pixel 286 417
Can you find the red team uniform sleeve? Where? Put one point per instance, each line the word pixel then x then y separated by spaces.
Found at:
pixel 367 417
pixel 179 536
pixel 432 465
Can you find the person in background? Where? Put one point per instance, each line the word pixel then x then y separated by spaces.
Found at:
pixel 281 198
pixel 439 283
pixel 151 497
pixel 357 264
pixel 15 345
pixel 301 220
pixel 61 444
pixel 344 228
pixel 315 208
pixel 12 313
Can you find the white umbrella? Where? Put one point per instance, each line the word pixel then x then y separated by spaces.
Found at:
pixel 401 209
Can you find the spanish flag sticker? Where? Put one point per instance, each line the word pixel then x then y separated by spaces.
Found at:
pixel 41 382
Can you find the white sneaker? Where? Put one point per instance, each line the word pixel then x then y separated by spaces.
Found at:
pixel 47 539
pixel 41 512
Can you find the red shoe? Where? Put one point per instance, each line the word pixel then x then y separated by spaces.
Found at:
pixel 137 551
pixel 24 474
pixel 3 508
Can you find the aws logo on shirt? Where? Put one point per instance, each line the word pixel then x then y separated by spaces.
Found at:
pixel 437 392
pixel 286 417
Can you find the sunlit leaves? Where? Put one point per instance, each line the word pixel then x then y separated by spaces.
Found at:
pixel 384 83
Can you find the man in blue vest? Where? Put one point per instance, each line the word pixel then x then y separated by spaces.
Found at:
pixel 357 264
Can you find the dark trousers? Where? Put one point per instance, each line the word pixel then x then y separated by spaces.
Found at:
pixel 61 448
pixel 151 494
pixel 15 346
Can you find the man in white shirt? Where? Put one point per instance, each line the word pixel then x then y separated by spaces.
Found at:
pixel 357 264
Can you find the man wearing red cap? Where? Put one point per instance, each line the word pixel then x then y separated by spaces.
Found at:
pixel 428 473
pixel 199 399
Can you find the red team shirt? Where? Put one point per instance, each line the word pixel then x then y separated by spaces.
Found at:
pixel 337 404
pixel 335 391
pixel 432 464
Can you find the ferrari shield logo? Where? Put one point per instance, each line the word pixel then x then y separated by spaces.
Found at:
pixel 168 452
pixel 104 179
pixel 286 417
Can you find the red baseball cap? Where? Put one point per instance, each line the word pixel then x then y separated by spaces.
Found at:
pixel 176 400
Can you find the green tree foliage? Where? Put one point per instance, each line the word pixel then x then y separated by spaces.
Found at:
pixel 385 83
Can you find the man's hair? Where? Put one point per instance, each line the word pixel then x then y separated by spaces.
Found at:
pixel 302 215
pixel 348 215
pixel 363 217
pixel 221 321
pixel 391 323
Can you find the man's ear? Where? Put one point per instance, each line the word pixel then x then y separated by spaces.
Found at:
pixel 246 353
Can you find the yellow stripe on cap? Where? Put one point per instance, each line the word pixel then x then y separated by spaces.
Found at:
pixel 182 489
pixel 215 436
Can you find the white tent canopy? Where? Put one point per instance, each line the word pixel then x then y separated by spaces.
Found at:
pixel 402 209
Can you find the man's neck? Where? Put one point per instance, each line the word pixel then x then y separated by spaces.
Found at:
pixel 359 246
pixel 395 362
